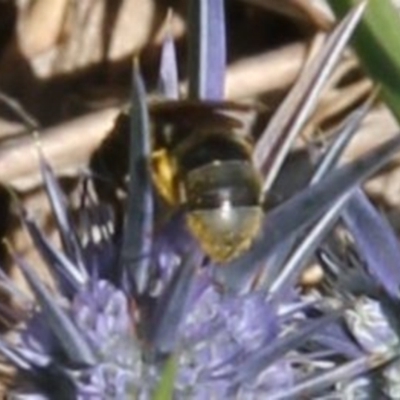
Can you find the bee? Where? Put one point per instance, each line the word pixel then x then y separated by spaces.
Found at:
pixel 201 163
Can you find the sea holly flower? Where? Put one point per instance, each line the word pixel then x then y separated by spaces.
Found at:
pixel 124 306
pixel 369 282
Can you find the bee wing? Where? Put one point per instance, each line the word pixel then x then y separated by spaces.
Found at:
pixel 173 121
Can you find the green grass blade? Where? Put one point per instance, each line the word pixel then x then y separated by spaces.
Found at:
pixel 377 43
pixel 165 388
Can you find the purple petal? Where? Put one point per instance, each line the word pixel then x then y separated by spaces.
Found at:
pixel 168 75
pixel 207 49
pixel 102 312
pixel 250 319
pixel 376 241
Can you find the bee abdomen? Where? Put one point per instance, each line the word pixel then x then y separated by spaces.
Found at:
pixel 223 209
pixel 214 184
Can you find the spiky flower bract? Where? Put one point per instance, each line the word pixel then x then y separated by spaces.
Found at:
pixel 124 307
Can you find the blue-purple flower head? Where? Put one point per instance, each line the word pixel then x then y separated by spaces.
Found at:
pixel 143 314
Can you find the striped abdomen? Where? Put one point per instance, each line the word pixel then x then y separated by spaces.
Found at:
pixel 221 193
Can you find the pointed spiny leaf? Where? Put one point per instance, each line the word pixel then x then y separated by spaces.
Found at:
pixel 207 49
pixel 345 133
pixel 296 214
pixel 343 373
pixel 327 163
pixel 304 251
pixel 168 74
pixel 137 242
pixel 275 142
pixel 55 259
pixel 15 357
pixel 70 338
pixel 277 349
pixel 59 207
pixel 377 243
pixel 172 305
